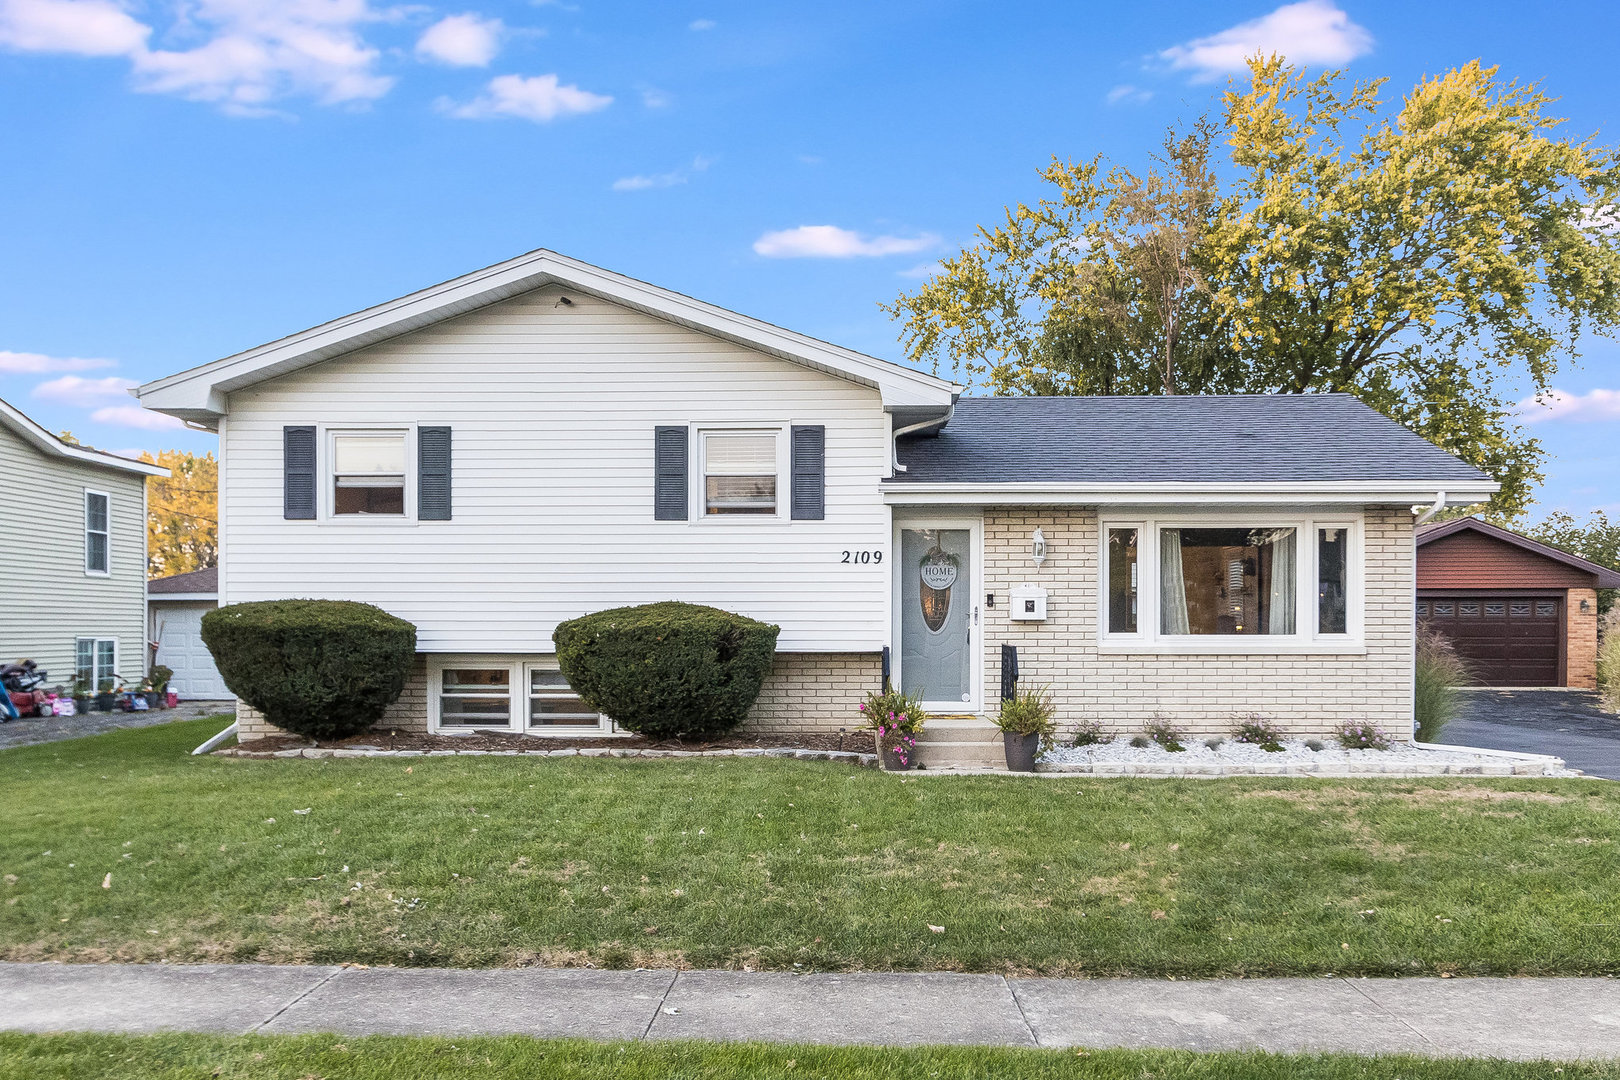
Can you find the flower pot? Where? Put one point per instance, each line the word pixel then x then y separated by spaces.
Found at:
pixel 1021 751
pixel 106 702
pixel 81 705
pixel 894 757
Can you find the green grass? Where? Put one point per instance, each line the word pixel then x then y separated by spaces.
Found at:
pixel 325 1057
pixel 772 863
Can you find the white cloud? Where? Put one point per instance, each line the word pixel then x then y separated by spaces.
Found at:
pixel 28 363
pixel 1309 32
pixel 136 417
pixel 76 390
pixel 702 24
pixel 80 27
pixel 661 180
pixel 1558 405
pixel 537 97
pixel 654 98
pixel 468 40
pixel 924 270
pixel 239 54
pixel 831 242
pixel 1128 94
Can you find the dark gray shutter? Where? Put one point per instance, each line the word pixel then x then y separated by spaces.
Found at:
pixel 298 473
pixel 433 474
pixel 669 474
pixel 809 473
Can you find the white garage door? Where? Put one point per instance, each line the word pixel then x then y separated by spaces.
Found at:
pixel 177 628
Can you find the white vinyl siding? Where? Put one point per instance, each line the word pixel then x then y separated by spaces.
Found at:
pixel 554 408
pixel 50 600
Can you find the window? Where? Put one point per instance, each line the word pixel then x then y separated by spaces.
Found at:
pixel 368 473
pixel 96 534
pixel 1468 609
pixel 1122 569
pixel 1519 609
pixel 95 663
pixel 1211 584
pixel 1495 607
pixel 509 694
pixel 740 472
pixel 1226 581
pixel 475 697
pixel 552 703
pixel 1546 609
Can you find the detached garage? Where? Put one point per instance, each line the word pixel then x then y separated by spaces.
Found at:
pixel 175 607
pixel 1520 612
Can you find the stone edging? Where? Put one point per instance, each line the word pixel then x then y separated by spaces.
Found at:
pixel 1392 769
pixel 850 756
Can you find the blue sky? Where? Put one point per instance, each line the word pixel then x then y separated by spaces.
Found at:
pixel 182 179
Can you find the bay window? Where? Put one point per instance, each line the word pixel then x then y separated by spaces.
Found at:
pixel 1220 585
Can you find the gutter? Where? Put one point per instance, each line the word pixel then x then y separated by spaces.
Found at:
pixel 894 448
pixel 216 740
pixel 1424 514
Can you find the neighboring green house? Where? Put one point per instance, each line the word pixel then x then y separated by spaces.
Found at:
pixel 72 556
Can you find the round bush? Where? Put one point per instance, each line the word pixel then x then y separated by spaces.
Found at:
pixel 326 669
pixel 669 669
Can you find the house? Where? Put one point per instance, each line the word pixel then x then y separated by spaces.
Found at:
pixel 1520 612
pixel 72 557
pixel 175 607
pixel 544 438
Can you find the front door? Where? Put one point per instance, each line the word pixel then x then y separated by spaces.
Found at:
pixel 939 616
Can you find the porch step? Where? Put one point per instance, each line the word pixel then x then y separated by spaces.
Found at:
pixel 961 742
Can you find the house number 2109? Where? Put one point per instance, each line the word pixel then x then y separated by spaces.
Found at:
pixel 862 557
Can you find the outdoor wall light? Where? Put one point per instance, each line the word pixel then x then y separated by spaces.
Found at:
pixel 1586 605
pixel 1037 547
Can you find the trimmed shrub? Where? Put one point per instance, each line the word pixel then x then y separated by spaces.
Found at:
pixel 1440 671
pixel 669 669
pixel 325 669
pixel 1028 712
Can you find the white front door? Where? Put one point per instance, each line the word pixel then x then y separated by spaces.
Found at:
pixel 936 595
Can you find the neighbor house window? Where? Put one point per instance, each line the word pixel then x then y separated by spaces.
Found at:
pixel 368 473
pixel 740 472
pixel 97 539
pixel 1179 583
pixel 477 697
pixel 95 662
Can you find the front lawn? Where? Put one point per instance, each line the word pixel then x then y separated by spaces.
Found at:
pixel 769 863
pixel 197 1057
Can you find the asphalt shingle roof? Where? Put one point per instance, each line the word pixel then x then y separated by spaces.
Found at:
pixel 1253 438
pixel 197 581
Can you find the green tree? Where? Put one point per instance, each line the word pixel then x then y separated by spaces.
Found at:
pixel 1596 539
pixel 1438 263
pixel 182 513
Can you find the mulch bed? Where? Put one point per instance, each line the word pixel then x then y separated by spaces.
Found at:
pixel 860 741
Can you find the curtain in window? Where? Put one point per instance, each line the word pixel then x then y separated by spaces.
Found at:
pixel 1172 584
pixel 1281 603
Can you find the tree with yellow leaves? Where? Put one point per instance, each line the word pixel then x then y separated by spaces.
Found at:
pixel 182 513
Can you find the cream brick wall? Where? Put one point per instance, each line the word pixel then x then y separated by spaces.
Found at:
pixel 1303 694
pixel 1580 658
pixel 805 692
pixel 409 713
pixel 814 692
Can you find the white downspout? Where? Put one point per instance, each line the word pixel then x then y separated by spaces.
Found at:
pixel 1423 513
pixel 894 446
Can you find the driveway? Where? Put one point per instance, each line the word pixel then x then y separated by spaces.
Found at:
pixel 41 729
pixel 1565 723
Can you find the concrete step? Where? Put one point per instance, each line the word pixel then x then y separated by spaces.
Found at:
pixel 965 755
pixel 970 729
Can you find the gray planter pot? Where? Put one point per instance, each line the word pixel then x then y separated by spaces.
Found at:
pixel 1021 751
pixel 890 759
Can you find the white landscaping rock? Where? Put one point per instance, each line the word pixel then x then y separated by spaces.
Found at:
pixel 1120 758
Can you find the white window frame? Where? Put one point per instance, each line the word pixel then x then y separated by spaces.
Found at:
pixel 90 493
pixel 698 510
pixel 517 720
pixel 328 478
pixel 1306 639
pixel 95 660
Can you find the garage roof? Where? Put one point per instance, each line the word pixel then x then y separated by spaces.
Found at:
pixel 195 583
pixel 1607 578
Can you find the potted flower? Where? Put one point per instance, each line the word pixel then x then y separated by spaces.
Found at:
pixel 161 675
pixel 1025 719
pixel 106 697
pixel 895 720
pixel 81 696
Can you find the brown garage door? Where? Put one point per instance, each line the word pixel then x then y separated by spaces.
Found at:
pixel 1507 640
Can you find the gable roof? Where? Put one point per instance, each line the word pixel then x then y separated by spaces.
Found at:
pixel 192 583
pixel 1231 441
pixel 199 394
pixel 1607 578
pixel 48 444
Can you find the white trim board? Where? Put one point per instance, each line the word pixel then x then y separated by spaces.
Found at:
pixel 200 393
pixel 45 442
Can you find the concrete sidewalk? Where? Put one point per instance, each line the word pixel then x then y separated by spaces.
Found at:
pixel 1510 1018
